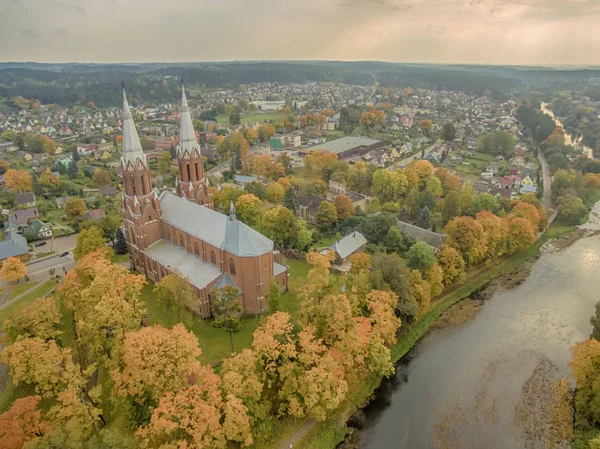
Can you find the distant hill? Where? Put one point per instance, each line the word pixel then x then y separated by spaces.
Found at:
pixel 67 84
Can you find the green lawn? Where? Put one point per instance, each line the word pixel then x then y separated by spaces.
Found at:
pixel 213 341
pixel 20 288
pixel 37 292
pixel 251 116
pixel 119 258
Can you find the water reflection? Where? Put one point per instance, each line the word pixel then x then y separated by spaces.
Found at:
pixel 475 375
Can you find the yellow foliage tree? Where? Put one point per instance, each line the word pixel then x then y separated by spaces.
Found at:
pixel 18 180
pixel 13 269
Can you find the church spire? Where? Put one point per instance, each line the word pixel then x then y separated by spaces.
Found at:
pixel 232 215
pixel 132 148
pixel 187 135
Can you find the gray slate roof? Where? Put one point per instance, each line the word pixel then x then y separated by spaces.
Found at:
pixel 213 227
pixel 14 245
pixel 197 271
pixel 278 268
pixel 432 238
pixel 349 244
pixel 24 198
pixel 343 144
pixel 226 280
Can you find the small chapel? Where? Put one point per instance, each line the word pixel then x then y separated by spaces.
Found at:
pixel 181 232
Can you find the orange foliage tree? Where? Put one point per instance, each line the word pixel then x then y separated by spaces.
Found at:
pixel 344 207
pixel 18 180
pixel 22 423
pixel 13 269
pixel 468 237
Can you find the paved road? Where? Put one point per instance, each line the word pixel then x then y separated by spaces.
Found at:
pixel 547 193
pixel 60 244
pixel 414 157
pixel 38 271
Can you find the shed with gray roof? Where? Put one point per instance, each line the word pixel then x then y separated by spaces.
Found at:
pixel 346 147
pixel 432 238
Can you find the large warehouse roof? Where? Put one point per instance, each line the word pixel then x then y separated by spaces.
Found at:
pixel 343 144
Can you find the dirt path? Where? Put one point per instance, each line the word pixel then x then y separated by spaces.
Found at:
pixel 547 193
pixel 300 433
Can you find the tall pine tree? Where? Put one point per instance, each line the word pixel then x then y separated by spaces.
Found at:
pixel 120 242
pixel 423 221
pixel 290 199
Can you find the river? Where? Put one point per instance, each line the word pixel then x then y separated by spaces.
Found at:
pixel 569 140
pixel 473 386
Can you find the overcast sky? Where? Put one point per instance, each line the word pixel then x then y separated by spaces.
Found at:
pixel 524 32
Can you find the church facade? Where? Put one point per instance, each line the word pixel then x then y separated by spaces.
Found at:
pixel 181 232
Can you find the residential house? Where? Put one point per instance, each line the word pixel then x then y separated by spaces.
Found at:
pixel 242 180
pixel 358 200
pixel 528 189
pixel 493 167
pixel 527 181
pixel 500 158
pixel 344 248
pixel 23 217
pixel 37 230
pixel 472 143
pixel 335 189
pixel 25 199
pixel 94 214
pixel 85 149
pixel 308 206
pixel 14 245
pixel 517 160
pixel 481 187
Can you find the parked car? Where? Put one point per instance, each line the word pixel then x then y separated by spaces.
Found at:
pixel 66 253
pixel 37 245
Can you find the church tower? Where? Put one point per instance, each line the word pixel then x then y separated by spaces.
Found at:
pixel 141 205
pixel 191 183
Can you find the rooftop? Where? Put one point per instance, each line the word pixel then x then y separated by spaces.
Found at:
pixel 14 245
pixel 343 144
pixel 344 247
pixel 432 238
pixel 197 271
pixel 220 230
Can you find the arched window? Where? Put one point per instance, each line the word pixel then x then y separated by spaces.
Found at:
pixel 232 266
pixel 142 184
pixel 196 249
pixel 213 258
pixel 181 241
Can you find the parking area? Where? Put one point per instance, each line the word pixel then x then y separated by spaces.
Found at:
pixel 58 245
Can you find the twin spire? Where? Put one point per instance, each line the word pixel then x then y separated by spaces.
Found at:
pixel 132 148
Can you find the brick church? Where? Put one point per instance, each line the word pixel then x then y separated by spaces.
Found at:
pixel 181 232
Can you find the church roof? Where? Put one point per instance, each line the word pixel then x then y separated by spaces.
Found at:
pixel 219 230
pixel 187 135
pixel 197 271
pixel 132 148
pixel 226 280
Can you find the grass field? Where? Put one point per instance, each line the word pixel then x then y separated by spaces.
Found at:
pixel 37 292
pixel 213 341
pixel 251 116
pixel 17 289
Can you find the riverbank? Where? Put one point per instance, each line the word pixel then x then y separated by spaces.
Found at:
pixel 329 433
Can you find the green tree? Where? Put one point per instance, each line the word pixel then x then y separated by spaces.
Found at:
pixel 451 206
pixel 326 215
pixel 120 242
pixel 305 237
pixel 448 132
pixel 571 209
pixel 174 290
pixel 274 296
pixel 420 256
pixel 390 272
pixel 424 218
pixel 290 199
pixel 88 241
pixel 498 143
pixel 227 311
pixel 281 224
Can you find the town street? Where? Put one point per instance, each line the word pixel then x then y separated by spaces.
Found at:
pixel 414 157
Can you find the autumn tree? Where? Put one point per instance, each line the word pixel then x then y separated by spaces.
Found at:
pixel 227 311
pixel 265 131
pixel 326 215
pixel 586 371
pixel 18 180
pixel 184 418
pixel 249 209
pixel 320 160
pixel 390 272
pixel 275 192
pixel 101 178
pixel 22 424
pixel 435 276
pixel 49 180
pixel 452 264
pixel 74 208
pixel 40 364
pixel 174 291
pixel 155 361
pixel 359 261
pixel 421 291
pixel 344 207
pixel 496 230
pixel 468 237
pixel 88 241
pixel 528 211
pixel 39 318
pixel 426 126
pixel 13 269
pixel 521 234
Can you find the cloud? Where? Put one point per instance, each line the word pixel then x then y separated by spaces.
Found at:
pixel 61 32
pixel 28 33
